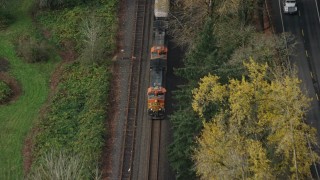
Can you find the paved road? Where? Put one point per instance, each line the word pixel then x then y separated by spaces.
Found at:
pixel 305 26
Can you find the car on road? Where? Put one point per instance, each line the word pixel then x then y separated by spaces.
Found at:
pixel 290 6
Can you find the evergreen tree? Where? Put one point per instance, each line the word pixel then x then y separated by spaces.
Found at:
pixel 186 127
pixel 203 58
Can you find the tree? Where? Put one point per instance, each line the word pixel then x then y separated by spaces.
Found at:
pixel 187 20
pixel 203 58
pixel 186 128
pixel 188 16
pixel 225 155
pixel 211 30
pixel 4 4
pixel 5 15
pixel 271 49
pixel 61 165
pixel 260 131
pixel 93 50
pixel 54 4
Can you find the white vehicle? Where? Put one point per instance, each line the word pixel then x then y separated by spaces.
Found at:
pixel 290 6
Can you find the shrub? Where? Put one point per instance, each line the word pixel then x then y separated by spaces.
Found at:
pixel 55 4
pixel 60 165
pixel 32 50
pixel 4 64
pixel 5 91
pixel 94 42
pixel 5 20
pixel 75 119
pixel 65 24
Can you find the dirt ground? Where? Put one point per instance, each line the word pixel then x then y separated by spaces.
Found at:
pixel 113 104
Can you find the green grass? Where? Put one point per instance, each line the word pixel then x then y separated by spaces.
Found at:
pixel 16 119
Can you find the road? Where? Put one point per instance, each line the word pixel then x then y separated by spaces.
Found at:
pixel 305 26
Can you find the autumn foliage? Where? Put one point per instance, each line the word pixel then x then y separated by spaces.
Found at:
pixel 259 132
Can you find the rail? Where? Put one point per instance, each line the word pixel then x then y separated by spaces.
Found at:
pixel 154 150
pixel 135 71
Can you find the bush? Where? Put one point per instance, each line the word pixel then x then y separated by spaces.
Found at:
pixel 74 122
pixel 60 165
pixel 5 20
pixel 5 91
pixel 32 50
pixel 55 4
pixel 94 43
pixel 65 24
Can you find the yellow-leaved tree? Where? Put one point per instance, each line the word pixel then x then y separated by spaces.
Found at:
pixel 259 131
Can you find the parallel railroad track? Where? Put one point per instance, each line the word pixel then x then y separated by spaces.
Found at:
pixel 154 150
pixel 128 142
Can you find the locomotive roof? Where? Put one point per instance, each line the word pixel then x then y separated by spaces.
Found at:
pixel 158 64
pixel 156 78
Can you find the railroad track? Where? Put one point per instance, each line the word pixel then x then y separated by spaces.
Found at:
pixel 128 142
pixel 154 149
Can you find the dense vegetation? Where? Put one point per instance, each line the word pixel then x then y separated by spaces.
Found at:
pixel 205 55
pixel 71 25
pixel 259 130
pixel 73 123
pixel 5 91
pixel 60 165
pixel 57 26
pixel 219 37
pixel 6 18
pixel 75 119
pixel 54 4
pixel 32 50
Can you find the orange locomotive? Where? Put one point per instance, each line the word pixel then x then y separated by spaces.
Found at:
pixel 158 61
pixel 156 90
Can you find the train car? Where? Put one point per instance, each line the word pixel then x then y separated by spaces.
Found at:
pixel 158 67
pixel 156 94
pixel 158 61
pixel 156 90
pixel 161 9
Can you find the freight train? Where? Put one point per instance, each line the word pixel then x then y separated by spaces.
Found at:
pixel 158 61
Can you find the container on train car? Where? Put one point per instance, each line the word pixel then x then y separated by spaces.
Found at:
pixel 161 8
pixel 158 61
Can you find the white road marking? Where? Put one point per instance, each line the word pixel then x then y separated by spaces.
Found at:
pixel 317 10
